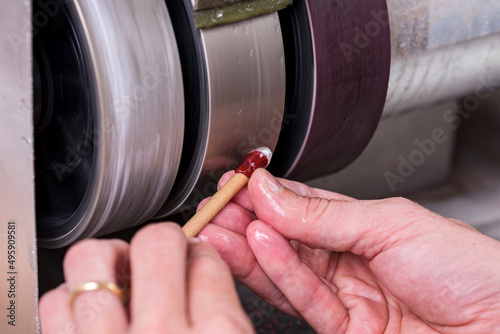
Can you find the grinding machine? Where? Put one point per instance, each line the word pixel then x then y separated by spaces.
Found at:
pixel 116 113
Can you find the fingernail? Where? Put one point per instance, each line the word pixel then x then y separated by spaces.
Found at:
pixel 272 184
pixel 193 241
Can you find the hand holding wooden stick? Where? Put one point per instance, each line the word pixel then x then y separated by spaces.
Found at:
pixel 259 158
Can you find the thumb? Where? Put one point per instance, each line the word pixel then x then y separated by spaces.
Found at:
pixel 362 227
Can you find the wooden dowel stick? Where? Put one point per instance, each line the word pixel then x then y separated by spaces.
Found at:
pixel 258 158
pixel 214 205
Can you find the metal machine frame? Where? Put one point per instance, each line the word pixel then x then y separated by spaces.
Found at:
pixel 19 282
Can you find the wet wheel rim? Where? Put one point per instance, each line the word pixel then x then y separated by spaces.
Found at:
pixel 235 82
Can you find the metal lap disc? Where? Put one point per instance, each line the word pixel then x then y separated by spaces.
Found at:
pixel 339 55
pixel 108 90
pixel 235 84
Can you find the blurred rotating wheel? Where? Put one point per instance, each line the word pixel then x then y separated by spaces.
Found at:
pixel 108 114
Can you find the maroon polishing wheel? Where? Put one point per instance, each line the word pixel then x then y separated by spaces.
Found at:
pixel 351 62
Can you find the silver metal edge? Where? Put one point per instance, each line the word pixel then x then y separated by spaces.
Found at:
pixel 17 202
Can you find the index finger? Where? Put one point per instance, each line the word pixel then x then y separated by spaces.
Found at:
pixel 362 227
pixel 158 267
pixel 242 198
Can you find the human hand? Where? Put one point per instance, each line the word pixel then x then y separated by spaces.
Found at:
pixel 343 265
pixel 176 287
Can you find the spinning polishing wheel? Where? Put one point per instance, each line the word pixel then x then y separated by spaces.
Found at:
pixel 108 113
pixel 138 115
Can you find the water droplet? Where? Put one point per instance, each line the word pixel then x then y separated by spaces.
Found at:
pixel 26 140
pixel 251 53
pixel 240 112
pixel 220 14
